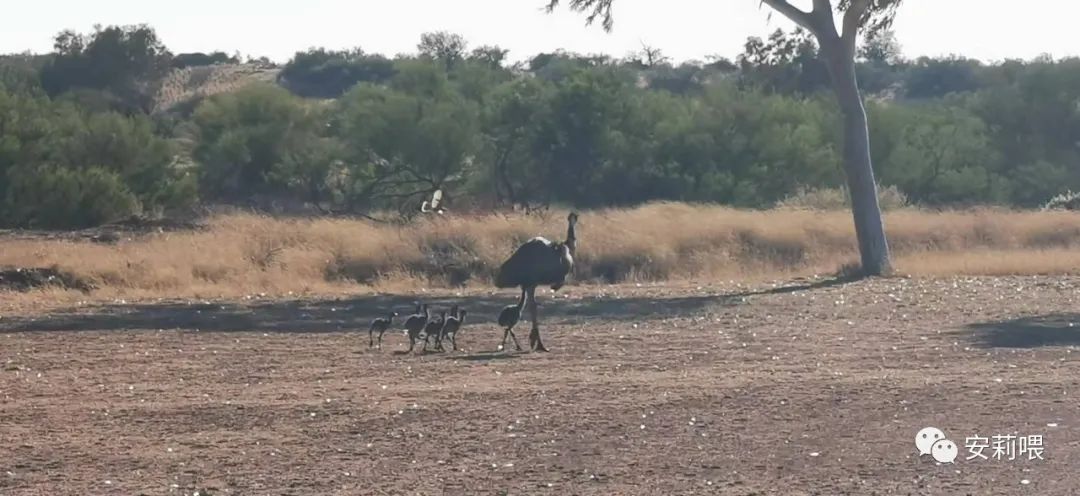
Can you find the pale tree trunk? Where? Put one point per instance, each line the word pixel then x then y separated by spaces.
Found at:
pixel 869 227
pixel 838 50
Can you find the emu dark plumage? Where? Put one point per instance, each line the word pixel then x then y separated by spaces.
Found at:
pixel 380 325
pixel 539 262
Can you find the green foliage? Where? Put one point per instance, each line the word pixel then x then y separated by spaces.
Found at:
pixel 944 156
pixel 406 140
pixel 19 73
pixel 490 55
pixel 447 48
pixel 62 166
pixel 64 197
pixel 580 119
pixel 587 130
pixel 244 135
pixel 309 170
pixel 125 61
pixel 785 63
pixel 880 48
pixel 321 73
pixel 685 79
pixel 508 129
pixel 931 78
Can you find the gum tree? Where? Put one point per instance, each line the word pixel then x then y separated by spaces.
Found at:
pixel 837 43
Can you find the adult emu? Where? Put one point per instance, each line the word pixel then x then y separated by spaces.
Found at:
pixel 539 262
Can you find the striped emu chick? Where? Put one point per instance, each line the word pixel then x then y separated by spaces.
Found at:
pixel 508 318
pixel 380 325
pixel 415 324
pixel 451 328
pixel 433 330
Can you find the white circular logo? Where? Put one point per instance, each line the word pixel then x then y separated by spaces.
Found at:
pixel 944 451
pixel 926 438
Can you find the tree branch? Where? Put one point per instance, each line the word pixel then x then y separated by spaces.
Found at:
pixel 823 15
pixel 853 19
pixel 822 6
pixel 599 8
pixel 794 13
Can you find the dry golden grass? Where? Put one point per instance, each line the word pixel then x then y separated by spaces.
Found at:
pixel 247 254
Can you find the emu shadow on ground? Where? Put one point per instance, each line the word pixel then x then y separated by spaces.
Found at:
pixel 798 288
pixel 26 279
pixel 1027 332
pixel 484 356
pixel 338 315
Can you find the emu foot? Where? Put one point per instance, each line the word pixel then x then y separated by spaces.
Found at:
pixel 534 341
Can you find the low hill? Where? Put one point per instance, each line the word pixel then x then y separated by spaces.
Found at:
pixel 189 83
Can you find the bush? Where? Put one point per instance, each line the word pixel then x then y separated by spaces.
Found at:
pixel 243 135
pixel 61 197
pixel 125 61
pixel 321 73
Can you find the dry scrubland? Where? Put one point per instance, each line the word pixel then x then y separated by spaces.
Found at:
pixel 244 254
pixel 648 390
pixel 697 385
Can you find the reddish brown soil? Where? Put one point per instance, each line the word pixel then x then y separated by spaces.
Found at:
pixel 647 390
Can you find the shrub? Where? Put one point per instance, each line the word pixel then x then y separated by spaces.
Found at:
pixel 321 73
pixel 61 197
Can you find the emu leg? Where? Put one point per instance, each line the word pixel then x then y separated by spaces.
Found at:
pixel 380 338
pixel 534 335
pixel 510 332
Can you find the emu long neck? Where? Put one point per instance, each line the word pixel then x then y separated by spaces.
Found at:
pixel 571 241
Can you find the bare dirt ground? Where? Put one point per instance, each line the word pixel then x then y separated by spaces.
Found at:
pixel 795 389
